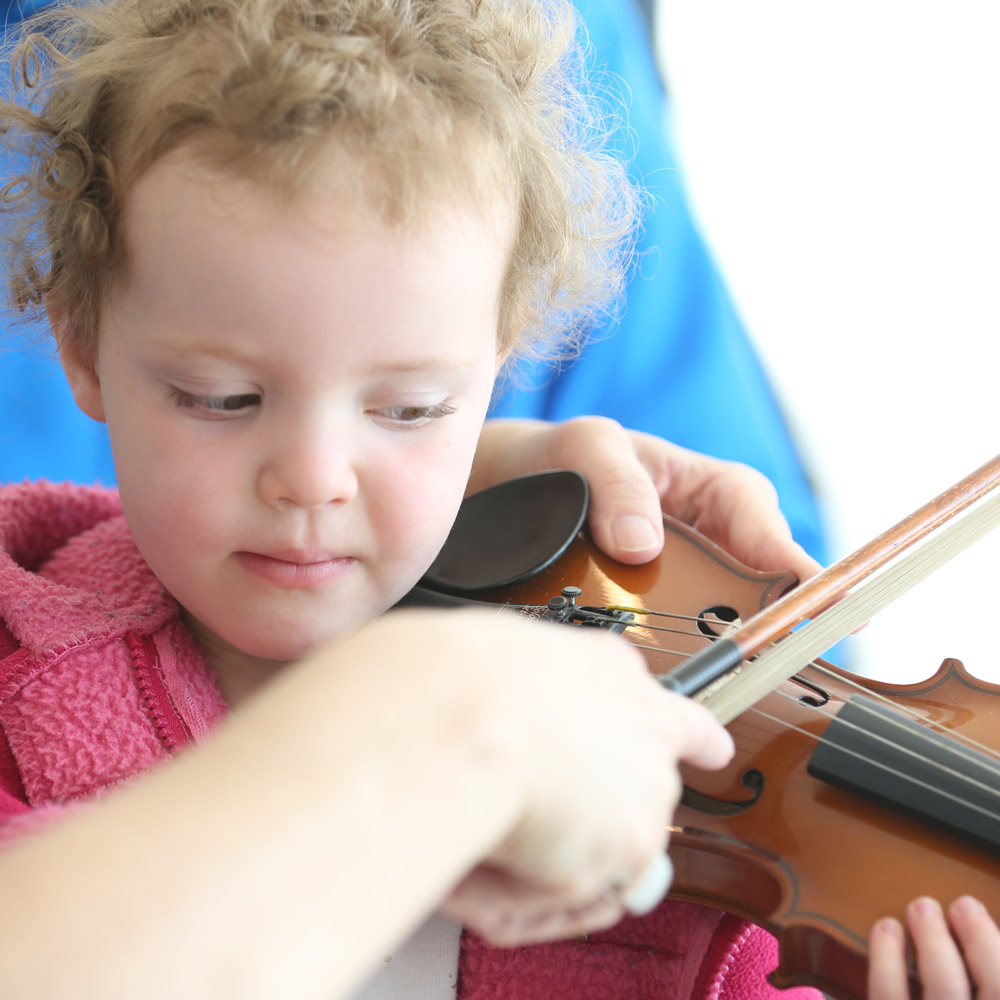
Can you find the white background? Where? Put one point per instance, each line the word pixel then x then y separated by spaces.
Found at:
pixel 844 162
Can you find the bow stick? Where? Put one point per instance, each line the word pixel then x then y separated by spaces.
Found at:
pixel 716 676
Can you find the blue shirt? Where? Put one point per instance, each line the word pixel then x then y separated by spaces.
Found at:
pixel 678 363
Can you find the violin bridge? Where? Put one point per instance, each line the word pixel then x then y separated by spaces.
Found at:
pixel 732 627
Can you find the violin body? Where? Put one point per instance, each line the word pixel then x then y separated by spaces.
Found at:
pixel 814 864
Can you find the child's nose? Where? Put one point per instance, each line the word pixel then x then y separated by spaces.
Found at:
pixel 308 472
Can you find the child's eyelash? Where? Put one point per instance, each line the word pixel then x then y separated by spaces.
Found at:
pixel 402 415
pixel 220 404
pixel 418 414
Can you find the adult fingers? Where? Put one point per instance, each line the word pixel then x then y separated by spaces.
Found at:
pixel 647 890
pixel 730 503
pixel 779 551
pixel 507 911
pixel 701 741
pixel 634 477
pixel 625 517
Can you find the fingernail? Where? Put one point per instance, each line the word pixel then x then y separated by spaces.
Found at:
pixel 650 887
pixel 967 904
pixel 889 927
pixel 633 533
pixel 926 907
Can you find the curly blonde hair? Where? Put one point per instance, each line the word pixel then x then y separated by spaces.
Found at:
pixel 427 92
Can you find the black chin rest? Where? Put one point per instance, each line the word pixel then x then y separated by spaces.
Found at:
pixel 510 532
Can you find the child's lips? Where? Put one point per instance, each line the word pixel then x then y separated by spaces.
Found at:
pixel 296 569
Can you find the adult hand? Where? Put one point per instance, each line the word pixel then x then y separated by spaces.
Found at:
pixel 593 744
pixel 958 957
pixel 633 476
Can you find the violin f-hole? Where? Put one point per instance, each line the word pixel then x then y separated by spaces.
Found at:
pixel 752 779
pixel 817 699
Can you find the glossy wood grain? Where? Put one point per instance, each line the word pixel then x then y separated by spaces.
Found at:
pixel 814 864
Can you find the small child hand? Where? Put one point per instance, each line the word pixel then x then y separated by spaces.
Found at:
pixel 957 957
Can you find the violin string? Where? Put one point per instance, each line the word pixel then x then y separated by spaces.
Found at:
pixel 655 614
pixel 608 619
pixel 968 779
pixel 658 628
pixel 668 652
pixel 906 710
pixel 633 610
pixel 850 682
pixel 899 724
pixel 903 710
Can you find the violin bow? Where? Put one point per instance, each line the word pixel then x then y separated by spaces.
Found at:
pixel 828 606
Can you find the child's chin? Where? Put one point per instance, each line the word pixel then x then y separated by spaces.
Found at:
pixel 284 649
pixel 291 639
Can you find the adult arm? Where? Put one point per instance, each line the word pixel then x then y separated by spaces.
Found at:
pixel 351 796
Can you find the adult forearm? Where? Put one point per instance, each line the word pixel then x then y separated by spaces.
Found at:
pixel 281 859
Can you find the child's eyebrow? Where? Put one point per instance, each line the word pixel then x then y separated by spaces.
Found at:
pixel 182 349
pixel 187 350
pixel 445 364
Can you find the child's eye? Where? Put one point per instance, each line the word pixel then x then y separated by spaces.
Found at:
pixel 221 406
pixel 414 416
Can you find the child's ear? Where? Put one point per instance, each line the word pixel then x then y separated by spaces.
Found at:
pixel 80 372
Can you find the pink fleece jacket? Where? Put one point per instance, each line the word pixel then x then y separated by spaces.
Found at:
pixel 100 681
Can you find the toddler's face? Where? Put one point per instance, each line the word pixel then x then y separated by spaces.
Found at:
pixel 294 397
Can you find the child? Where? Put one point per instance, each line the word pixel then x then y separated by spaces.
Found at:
pixel 284 246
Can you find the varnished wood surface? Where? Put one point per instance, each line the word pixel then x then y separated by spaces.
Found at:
pixel 815 865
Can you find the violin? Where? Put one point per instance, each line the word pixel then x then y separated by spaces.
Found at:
pixel 846 796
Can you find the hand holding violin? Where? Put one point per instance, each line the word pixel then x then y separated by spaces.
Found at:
pixel 737 509
pixel 633 477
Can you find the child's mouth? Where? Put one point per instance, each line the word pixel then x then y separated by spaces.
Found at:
pixel 296 570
